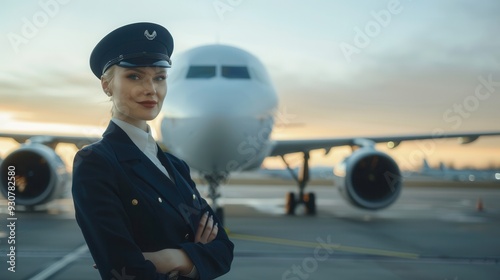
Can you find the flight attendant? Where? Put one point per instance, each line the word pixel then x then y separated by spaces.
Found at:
pixel 137 207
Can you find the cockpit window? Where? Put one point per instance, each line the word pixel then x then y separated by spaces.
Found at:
pixel 235 72
pixel 201 72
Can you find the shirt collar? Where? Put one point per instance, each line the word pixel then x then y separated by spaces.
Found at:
pixel 140 137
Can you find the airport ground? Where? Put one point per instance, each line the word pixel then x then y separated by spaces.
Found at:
pixel 434 231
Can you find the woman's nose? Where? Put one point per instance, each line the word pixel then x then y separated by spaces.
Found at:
pixel 149 87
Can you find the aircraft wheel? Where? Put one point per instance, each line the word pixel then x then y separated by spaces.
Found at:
pixel 290 203
pixel 219 212
pixel 310 201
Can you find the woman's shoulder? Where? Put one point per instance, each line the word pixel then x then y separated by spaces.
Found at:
pixel 95 152
pixel 95 148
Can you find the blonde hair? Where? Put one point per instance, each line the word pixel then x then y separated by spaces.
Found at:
pixel 109 74
pixel 108 77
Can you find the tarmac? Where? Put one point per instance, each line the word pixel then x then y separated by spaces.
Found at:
pixel 431 232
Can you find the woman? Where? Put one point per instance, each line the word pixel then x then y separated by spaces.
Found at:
pixel 137 207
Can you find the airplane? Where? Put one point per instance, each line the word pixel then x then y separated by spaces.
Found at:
pixel 218 116
pixel 451 174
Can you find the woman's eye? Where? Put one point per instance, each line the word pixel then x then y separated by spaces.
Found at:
pixel 133 77
pixel 161 78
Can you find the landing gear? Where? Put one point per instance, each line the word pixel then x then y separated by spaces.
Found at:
pixel 310 201
pixel 307 199
pixel 214 181
pixel 291 203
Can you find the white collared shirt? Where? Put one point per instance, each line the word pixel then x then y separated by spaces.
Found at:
pixel 144 141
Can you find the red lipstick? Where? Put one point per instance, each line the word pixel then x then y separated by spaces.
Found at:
pixel 148 104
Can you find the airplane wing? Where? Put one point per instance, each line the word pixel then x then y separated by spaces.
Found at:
pixel 51 140
pixel 283 147
pixel 367 179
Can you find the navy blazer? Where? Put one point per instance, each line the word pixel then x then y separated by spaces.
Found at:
pixel 125 206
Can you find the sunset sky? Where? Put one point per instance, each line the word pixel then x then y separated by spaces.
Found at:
pixel 341 68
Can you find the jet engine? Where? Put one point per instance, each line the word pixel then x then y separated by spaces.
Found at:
pixel 369 179
pixel 38 172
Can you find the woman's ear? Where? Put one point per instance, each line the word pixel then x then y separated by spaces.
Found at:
pixel 105 86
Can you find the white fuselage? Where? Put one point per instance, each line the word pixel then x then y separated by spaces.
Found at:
pixel 219 110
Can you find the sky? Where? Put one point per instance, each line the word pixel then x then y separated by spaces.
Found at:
pixel 341 68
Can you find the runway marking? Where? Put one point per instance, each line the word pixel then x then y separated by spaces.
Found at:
pixel 66 260
pixel 338 247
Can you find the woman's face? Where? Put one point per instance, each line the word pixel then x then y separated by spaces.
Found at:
pixel 137 93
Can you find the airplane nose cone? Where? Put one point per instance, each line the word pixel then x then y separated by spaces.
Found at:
pixel 218 125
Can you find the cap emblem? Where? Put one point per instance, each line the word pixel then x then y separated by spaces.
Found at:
pixel 150 36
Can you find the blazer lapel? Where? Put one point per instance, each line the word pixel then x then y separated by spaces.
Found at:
pixel 191 207
pixel 129 155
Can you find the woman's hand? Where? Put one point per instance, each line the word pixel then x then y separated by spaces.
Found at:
pixel 207 231
pixel 169 260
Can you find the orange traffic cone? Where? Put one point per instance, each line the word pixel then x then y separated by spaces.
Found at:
pixel 479 205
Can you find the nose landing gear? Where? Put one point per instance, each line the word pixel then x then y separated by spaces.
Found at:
pixel 307 199
pixel 214 181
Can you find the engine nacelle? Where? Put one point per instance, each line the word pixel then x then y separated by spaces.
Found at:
pixel 369 179
pixel 40 174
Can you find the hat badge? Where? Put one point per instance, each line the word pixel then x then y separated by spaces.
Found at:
pixel 150 36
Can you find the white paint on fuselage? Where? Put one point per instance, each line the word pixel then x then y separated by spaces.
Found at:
pixel 218 124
